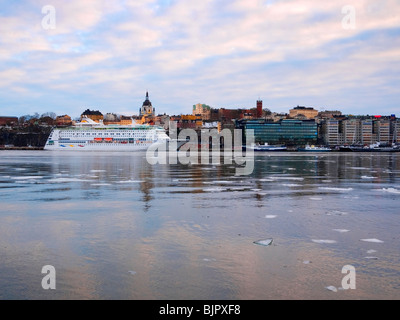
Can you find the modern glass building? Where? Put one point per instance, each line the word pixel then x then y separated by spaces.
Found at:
pixel 287 132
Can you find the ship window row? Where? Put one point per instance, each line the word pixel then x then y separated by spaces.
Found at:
pixel 102 134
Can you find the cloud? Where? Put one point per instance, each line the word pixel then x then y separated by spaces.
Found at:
pixel 224 53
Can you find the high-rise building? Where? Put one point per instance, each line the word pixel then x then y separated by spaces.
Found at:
pixel 351 131
pixel 382 129
pixel 367 135
pixel 288 132
pixel 330 132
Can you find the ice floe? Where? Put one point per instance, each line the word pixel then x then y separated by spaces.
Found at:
pixel 287 178
pixel 62 180
pixel 270 216
pixel 323 241
pixel 130 181
pixel 390 190
pixel 27 177
pixel 341 230
pixel 291 185
pixel 367 177
pixel 219 182
pixel 336 213
pixel 372 240
pixel 214 189
pixel 264 242
pixel 331 288
pixel 209 259
pixel 132 272
pixel 335 189
pixel 316 198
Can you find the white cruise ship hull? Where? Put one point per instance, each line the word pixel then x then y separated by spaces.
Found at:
pixel 91 136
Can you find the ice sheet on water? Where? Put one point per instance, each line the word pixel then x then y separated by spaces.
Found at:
pixel 264 242
pixel 374 240
pixel 287 178
pixel 368 177
pixel 331 288
pixel 27 177
pixel 390 190
pixel 324 241
pixel 209 259
pixel 371 251
pixel 341 230
pixel 214 189
pixel 335 189
pixel 270 216
pixel 292 185
pixel 63 180
pixel 316 198
pixel 219 182
pixel 336 213
pixel 130 181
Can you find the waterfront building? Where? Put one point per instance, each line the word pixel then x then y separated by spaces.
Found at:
pixel 329 114
pixel 64 120
pixel 382 129
pixel 203 110
pixel 395 131
pixel 8 121
pixel 351 131
pixel 330 132
pixel 309 113
pixel 287 132
pixel 96 115
pixel 367 135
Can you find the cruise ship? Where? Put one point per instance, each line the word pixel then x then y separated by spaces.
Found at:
pixel 88 135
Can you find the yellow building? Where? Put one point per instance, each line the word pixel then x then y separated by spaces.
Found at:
pixel 94 115
pixel 309 113
pixel 203 110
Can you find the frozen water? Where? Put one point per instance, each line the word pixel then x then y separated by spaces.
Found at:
pixel 323 241
pixel 264 242
pixel 372 240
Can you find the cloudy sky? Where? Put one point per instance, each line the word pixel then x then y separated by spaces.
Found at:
pixel 65 56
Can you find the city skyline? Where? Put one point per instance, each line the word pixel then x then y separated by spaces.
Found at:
pixel 66 57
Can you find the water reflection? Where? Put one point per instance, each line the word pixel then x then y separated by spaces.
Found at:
pixel 116 227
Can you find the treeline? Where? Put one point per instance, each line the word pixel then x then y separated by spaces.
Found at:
pixel 31 130
pixel 48 118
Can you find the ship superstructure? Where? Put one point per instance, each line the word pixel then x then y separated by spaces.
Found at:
pixel 90 135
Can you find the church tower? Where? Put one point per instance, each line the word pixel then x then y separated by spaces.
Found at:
pixel 147 108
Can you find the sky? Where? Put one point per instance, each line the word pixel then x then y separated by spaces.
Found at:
pixel 67 56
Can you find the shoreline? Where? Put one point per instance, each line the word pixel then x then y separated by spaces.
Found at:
pixel 21 148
